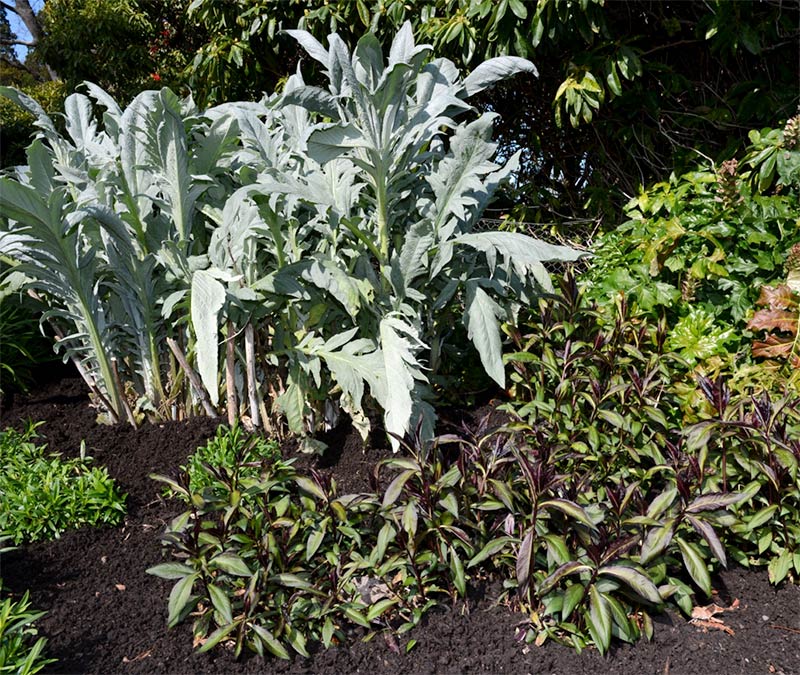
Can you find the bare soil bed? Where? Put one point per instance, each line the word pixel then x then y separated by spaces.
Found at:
pixel 105 615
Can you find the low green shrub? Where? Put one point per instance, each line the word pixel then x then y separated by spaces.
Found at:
pixel 752 446
pixel 42 495
pixel 598 507
pixel 19 654
pixel 22 346
pixel 271 559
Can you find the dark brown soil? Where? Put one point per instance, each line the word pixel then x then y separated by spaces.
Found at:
pixel 105 615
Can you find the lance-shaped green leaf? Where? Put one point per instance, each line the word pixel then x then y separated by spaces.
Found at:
pixel 598 619
pixel 657 540
pixel 713 501
pixel 273 645
pixel 525 558
pixel 695 565
pixel 179 599
pixel 561 572
pixel 207 299
pixel 494 546
pixel 570 509
pixel 639 583
pixel 705 530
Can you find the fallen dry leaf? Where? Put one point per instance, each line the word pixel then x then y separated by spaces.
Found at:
pixel 712 624
pixel 705 618
pixel 119 587
pixel 707 612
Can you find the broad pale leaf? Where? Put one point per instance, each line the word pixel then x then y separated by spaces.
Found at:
pixel 495 70
pixel 311 45
pixel 329 141
pixel 207 299
pixel 483 328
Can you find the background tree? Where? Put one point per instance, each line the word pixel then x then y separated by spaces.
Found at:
pixel 627 90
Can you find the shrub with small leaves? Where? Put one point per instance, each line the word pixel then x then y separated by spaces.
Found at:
pixel 43 495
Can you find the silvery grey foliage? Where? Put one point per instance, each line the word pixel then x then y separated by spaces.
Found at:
pixel 338 222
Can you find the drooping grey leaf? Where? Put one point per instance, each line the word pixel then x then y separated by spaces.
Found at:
pixel 495 70
pixel 480 317
pixel 399 344
pixel 32 106
pixel 329 141
pixel 311 45
pixel 313 99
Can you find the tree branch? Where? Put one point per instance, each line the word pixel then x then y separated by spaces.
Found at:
pixel 6 41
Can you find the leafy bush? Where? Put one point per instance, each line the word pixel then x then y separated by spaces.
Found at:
pixel 230 447
pixel 699 247
pixel 752 446
pixel 331 228
pixel 16 124
pixel 17 630
pixel 267 559
pixel 42 496
pixel 22 346
pixel 595 511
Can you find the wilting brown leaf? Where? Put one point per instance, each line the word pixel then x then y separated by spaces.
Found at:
pixel 777 297
pixel 713 624
pixel 774 319
pixel 773 347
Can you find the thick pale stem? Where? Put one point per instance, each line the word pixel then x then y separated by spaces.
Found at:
pixel 383 221
pixel 194 379
pixel 230 374
pixel 250 356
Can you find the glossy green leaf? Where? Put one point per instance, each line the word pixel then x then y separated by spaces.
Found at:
pixel 695 565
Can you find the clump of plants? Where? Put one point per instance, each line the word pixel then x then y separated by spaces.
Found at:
pixel 43 495
pixel 596 508
pixel 698 249
pixel 21 652
pixel 304 255
pixel 751 445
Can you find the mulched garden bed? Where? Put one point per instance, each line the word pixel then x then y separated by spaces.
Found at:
pixel 105 615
